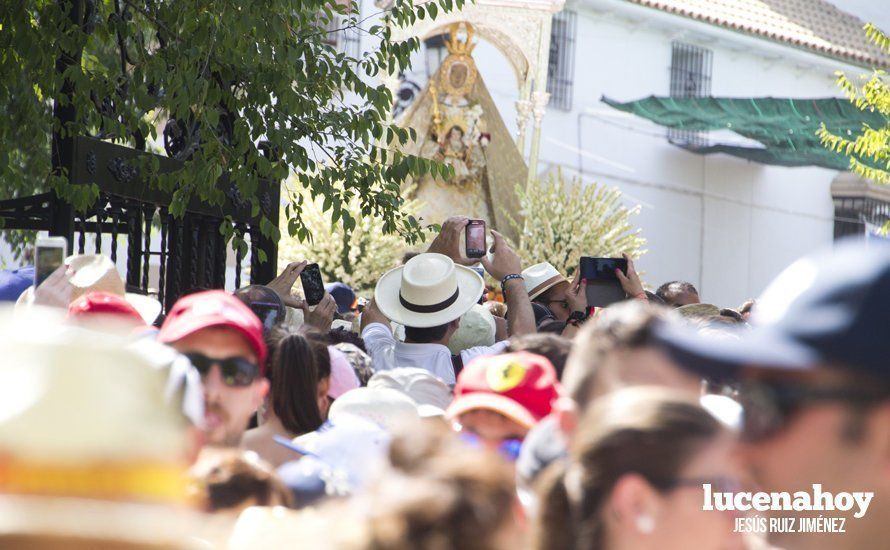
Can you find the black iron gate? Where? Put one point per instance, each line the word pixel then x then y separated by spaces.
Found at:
pixel 192 252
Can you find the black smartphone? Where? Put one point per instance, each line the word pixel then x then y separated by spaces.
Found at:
pixel 602 269
pixel 476 239
pixel 313 286
pixel 603 287
pixel 49 256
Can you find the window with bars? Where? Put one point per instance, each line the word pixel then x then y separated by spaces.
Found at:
pixel 690 77
pixel 859 215
pixel 561 65
pixel 343 36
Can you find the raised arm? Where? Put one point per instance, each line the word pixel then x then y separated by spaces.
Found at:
pixel 448 241
pixel 503 264
pixel 372 314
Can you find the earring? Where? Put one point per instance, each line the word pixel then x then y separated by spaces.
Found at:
pixel 645 524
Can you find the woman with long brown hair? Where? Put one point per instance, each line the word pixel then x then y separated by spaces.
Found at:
pixel 299 375
pixel 635 478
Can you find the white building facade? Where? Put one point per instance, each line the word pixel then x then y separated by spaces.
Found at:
pixel 723 223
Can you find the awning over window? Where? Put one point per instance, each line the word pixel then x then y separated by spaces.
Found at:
pixel 786 127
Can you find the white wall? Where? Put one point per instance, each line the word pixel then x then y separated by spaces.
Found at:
pixel 725 224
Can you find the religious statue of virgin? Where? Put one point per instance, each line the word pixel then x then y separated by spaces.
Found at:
pixel 457 135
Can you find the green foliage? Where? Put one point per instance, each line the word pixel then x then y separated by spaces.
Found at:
pixel 877 36
pixel 356 254
pixel 565 220
pixel 266 70
pixel 869 148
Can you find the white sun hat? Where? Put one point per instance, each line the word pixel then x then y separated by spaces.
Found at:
pixel 97 273
pixel 477 328
pixel 428 291
pixel 541 277
pixel 85 411
pixel 389 408
pixel 431 394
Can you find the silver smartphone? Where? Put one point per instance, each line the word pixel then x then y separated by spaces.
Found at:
pixel 49 256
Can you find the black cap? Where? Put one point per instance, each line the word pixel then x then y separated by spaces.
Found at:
pixel 828 308
pixel 265 304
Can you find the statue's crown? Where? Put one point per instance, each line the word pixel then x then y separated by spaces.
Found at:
pixel 460 39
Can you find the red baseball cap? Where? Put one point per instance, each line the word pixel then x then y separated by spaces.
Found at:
pixel 213 308
pixel 521 386
pixel 104 303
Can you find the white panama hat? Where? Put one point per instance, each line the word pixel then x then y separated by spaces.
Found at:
pixel 428 291
pixel 541 277
pixel 431 394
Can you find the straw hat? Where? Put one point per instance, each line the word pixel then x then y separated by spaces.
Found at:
pixel 71 398
pixel 541 277
pixel 89 450
pixel 428 291
pixel 97 273
pixel 52 523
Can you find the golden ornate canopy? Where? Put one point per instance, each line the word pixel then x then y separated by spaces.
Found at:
pixel 458 124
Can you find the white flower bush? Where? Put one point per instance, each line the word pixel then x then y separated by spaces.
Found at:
pixel 564 220
pixel 357 257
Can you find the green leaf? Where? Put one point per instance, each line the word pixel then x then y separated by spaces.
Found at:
pixel 234 66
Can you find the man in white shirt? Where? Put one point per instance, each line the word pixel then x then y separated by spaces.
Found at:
pixel 430 293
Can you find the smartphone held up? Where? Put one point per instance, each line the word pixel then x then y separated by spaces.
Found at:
pixel 313 286
pixel 602 269
pixel 50 254
pixel 603 286
pixel 475 237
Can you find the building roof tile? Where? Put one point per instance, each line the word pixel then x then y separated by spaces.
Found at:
pixel 814 25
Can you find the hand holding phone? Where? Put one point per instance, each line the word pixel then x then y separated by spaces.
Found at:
pixel 630 281
pixel 602 269
pixel 447 242
pixel 56 290
pixel 313 286
pixel 475 238
pixel 322 316
pixel 283 284
pixel 603 285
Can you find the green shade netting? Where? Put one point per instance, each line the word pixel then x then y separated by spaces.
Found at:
pixel 786 127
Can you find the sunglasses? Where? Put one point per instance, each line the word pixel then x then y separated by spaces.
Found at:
pixel 236 371
pixel 768 407
pixel 507 448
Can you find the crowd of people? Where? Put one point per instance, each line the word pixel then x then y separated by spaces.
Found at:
pixel 428 416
